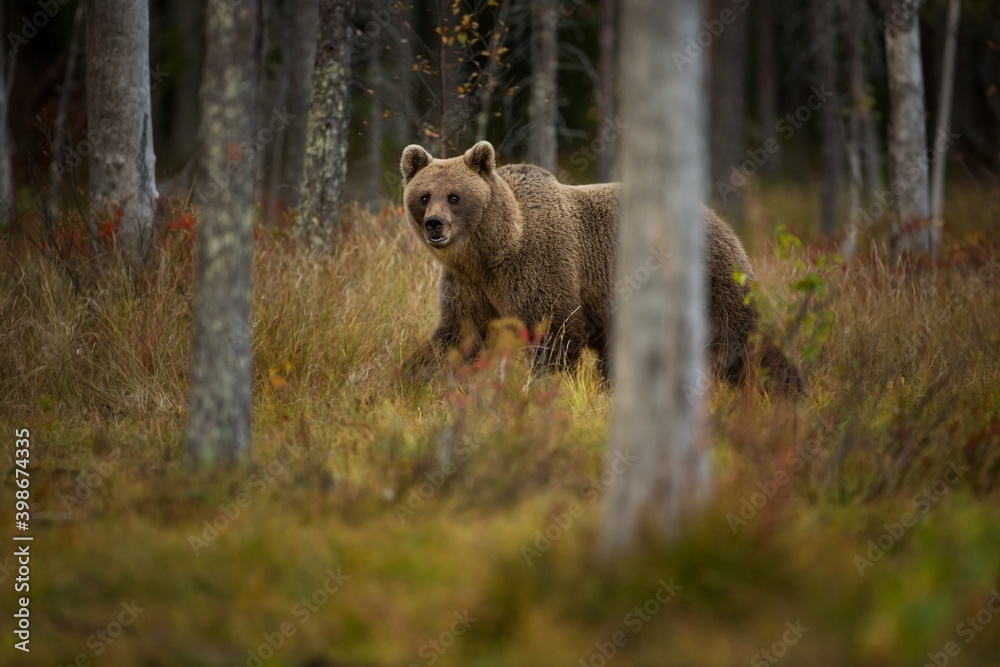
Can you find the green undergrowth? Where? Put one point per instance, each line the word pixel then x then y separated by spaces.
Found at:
pixel 385 522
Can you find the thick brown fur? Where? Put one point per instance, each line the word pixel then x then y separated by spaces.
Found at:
pixel 514 242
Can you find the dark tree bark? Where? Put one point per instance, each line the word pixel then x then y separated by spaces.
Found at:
pixel 912 231
pixel 329 113
pixel 301 57
pixel 855 129
pixel 663 352
pixel 119 111
pixel 767 79
pixel 606 83
pixel 6 175
pixel 375 90
pixel 491 73
pixel 831 143
pixel 62 107
pixel 544 63
pixel 728 108
pixel 189 17
pixel 219 417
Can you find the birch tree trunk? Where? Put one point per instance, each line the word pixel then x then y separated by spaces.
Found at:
pixel 912 231
pixel 326 135
pixel 6 174
pixel 120 123
pixel 606 81
pixel 944 113
pixel 218 428
pixel 855 138
pixel 655 430
pixel 823 19
pixel 544 62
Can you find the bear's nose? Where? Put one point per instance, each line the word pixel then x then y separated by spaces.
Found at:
pixel 433 225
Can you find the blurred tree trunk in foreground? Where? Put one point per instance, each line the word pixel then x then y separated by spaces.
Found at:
pixel 831 144
pixel 6 178
pixel 659 335
pixel 727 105
pixel 329 112
pixel 944 112
pixel 119 120
pixel 912 229
pixel 606 84
pixel 544 63
pixel 219 417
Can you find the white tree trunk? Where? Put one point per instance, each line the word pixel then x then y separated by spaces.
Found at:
pixel 659 333
pixel 912 231
pixel 120 124
pixel 544 60
pixel 944 112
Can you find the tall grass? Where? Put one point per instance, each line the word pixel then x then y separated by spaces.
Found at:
pixel 481 491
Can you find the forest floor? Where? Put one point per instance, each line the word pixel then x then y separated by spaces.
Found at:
pixel 859 525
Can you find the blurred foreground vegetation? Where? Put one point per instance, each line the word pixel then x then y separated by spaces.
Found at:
pixel 857 526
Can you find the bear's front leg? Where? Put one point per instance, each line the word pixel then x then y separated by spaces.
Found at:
pixel 562 342
pixel 465 313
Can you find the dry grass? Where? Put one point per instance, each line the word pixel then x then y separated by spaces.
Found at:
pixel 904 382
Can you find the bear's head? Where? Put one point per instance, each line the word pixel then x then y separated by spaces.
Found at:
pixel 445 199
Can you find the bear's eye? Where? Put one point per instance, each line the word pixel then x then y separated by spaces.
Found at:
pixel 424 199
pixel 453 199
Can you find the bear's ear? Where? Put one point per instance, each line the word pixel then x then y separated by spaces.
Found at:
pixel 481 159
pixel 414 159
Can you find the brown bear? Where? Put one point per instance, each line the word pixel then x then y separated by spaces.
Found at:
pixel 514 242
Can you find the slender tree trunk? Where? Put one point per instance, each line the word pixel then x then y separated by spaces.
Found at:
pixel 219 417
pixel 59 127
pixel 824 18
pixel 6 174
pixel 119 111
pixel 944 113
pixel 911 229
pixel 491 72
pixel 655 429
pixel 855 137
pixel 404 99
pixel 376 93
pixel 329 113
pixel 189 15
pixel 606 83
pixel 276 36
pixel 301 55
pixel 767 80
pixel 544 62
pixel 728 109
